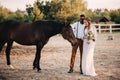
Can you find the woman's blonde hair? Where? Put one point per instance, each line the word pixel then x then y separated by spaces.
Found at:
pixel 89 22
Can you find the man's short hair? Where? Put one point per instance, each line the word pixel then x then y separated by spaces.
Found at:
pixel 82 15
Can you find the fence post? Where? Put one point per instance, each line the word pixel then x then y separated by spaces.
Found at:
pixel 110 37
pixel 110 29
pixel 99 28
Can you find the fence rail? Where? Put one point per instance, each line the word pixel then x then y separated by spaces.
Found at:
pixel 109 27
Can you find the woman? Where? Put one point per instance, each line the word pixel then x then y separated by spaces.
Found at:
pixel 89 39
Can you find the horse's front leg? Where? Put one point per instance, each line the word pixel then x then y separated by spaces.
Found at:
pixel 35 61
pixel 9 46
pixel 37 57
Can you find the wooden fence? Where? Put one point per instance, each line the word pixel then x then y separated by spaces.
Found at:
pixel 108 27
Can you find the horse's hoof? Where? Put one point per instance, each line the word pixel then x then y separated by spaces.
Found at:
pixel 38 69
pixel 70 71
pixel 34 67
pixel 12 67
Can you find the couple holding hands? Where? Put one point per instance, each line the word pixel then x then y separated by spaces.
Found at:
pixel 86 35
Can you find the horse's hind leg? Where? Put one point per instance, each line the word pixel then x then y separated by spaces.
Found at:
pixel 2 43
pixel 9 46
pixel 34 63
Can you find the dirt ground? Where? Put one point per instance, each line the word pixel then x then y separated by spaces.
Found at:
pixel 56 58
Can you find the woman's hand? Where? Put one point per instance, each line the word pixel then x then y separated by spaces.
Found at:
pixel 88 41
pixel 85 37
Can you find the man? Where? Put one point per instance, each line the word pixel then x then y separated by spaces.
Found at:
pixel 78 29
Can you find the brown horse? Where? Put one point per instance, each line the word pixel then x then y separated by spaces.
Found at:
pixel 36 33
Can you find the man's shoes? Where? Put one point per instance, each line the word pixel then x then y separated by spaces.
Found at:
pixel 70 71
pixel 81 72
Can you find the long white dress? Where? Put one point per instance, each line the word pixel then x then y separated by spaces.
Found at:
pixel 88 54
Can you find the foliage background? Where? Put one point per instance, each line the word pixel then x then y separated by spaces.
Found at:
pixel 60 10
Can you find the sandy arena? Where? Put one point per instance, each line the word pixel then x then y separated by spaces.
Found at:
pixel 56 58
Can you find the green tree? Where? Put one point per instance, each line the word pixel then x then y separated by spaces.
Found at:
pixel 115 16
pixel 17 15
pixel 37 13
pixel 62 10
pixel 91 13
pixel 71 9
pixel 4 13
pixel 106 13
pixel 33 13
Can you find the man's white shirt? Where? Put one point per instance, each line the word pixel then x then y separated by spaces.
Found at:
pixel 78 30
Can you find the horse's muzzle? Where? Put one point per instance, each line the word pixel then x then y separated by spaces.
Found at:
pixel 74 42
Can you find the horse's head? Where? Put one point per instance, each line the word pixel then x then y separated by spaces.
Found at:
pixel 68 34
